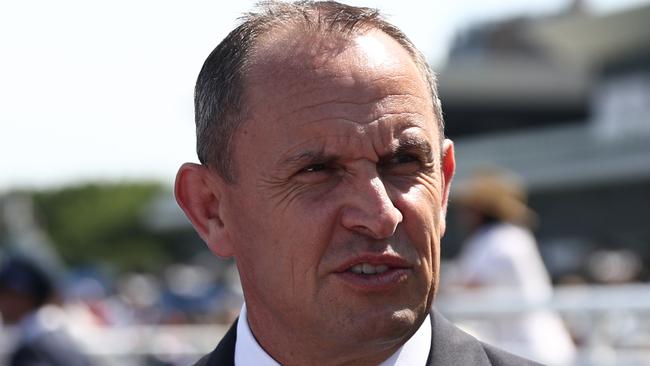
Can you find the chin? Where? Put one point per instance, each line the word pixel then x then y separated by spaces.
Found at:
pixel 389 326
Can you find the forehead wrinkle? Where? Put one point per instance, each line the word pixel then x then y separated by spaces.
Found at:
pixel 395 122
pixel 325 81
pixel 307 82
pixel 343 148
pixel 344 83
pixel 351 89
pixel 316 146
pixel 376 111
pixel 377 101
pixel 399 77
pixel 373 142
pixel 332 84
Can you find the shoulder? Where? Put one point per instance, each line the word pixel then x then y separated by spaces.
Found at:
pixel 499 357
pixel 49 349
pixel 452 346
pixel 203 361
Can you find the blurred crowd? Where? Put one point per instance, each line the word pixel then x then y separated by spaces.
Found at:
pixel 49 318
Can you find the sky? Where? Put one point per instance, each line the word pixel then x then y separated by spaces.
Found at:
pixel 102 91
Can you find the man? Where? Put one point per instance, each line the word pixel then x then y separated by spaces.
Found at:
pixel 325 174
pixel 25 291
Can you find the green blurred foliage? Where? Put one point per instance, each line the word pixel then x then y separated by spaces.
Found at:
pixel 102 223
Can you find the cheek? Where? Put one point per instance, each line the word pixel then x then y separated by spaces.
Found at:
pixel 421 203
pixel 281 243
pixel 250 226
pixel 421 209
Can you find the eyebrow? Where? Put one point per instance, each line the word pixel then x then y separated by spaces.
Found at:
pixel 413 144
pixel 410 144
pixel 309 157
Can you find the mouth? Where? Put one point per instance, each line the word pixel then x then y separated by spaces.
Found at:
pixel 374 273
pixel 368 269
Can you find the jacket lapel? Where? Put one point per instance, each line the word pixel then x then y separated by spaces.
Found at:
pixel 451 346
pixel 224 354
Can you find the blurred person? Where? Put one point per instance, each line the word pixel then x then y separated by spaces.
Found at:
pixel 325 174
pixel 501 254
pixel 26 295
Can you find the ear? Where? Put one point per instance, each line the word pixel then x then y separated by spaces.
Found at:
pixel 198 192
pixel 447 167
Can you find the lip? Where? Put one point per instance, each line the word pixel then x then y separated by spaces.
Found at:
pixel 390 260
pixel 398 272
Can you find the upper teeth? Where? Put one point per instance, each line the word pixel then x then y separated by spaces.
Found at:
pixel 367 268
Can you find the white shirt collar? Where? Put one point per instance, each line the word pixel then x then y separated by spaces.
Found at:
pixel 248 352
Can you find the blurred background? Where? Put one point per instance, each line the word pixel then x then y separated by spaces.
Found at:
pixel 96 115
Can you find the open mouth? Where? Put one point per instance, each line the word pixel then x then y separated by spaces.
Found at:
pixel 368 269
pixel 374 274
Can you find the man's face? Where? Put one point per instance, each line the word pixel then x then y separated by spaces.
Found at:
pixel 338 207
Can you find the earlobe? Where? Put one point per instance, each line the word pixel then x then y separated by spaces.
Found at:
pixel 447 167
pixel 198 193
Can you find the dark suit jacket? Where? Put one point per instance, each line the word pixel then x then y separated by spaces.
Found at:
pixel 450 346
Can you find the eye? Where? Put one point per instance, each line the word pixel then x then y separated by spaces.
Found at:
pixel 314 168
pixel 315 173
pixel 404 159
pixel 403 164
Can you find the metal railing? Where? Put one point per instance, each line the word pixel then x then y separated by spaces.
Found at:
pixel 612 324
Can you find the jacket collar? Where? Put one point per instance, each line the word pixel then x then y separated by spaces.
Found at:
pixel 449 346
pixel 452 346
pixel 224 354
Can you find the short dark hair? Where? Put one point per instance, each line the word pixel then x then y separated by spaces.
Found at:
pixel 28 277
pixel 220 86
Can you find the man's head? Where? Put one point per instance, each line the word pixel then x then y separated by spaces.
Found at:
pixel 219 98
pixel 24 287
pixel 336 206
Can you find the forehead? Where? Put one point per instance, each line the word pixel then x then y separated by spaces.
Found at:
pixel 289 61
pixel 336 86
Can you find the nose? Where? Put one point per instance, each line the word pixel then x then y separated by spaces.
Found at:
pixel 370 210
